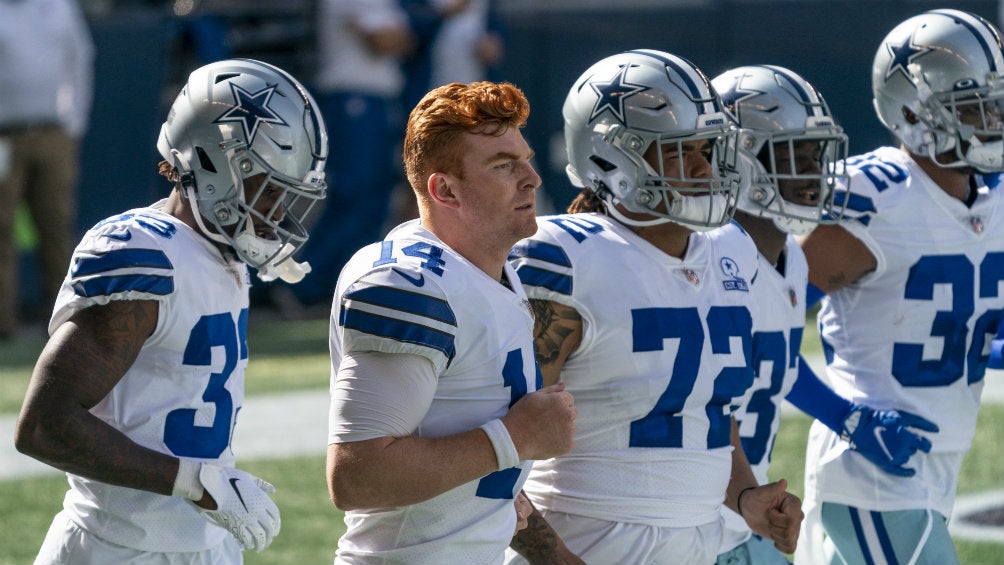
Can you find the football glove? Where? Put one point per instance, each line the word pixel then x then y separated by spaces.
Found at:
pixel 882 437
pixel 243 506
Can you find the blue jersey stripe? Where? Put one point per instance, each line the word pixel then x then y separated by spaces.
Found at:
pixel 119 259
pixel 104 286
pixel 541 251
pixel 550 280
pixel 853 201
pixel 405 301
pixel 397 330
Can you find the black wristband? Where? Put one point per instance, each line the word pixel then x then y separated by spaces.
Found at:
pixel 739 500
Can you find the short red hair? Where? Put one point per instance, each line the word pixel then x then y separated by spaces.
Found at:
pixel 439 119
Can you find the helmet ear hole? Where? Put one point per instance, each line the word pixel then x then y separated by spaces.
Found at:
pixel 909 116
pixel 603 164
pixel 204 161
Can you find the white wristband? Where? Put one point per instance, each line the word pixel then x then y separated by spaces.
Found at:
pixel 505 450
pixel 187 483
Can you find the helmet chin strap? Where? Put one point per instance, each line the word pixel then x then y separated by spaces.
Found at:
pixel 287 269
pixel 696 209
pixel 194 204
pixel 685 210
pixel 793 226
pixel 620 217
pixel 985 157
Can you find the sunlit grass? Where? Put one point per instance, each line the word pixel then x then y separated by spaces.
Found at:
pixel 293 355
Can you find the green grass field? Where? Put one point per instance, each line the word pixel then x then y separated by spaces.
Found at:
pixel 288 355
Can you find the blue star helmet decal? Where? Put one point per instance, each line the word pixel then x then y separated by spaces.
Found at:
pixel 251 110
pixel 734 97
pixel 612 94
pixel 903 55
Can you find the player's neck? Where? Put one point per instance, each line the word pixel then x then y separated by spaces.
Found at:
pixel 954 181
pixel 670 238
pixel 769 240
pixel 481 250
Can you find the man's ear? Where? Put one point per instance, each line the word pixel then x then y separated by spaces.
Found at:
pixel 442 190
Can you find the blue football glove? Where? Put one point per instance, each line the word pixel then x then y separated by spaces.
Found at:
pixel 882 437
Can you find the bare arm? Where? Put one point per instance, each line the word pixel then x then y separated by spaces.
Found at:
pixel 836 257
pixel 769 510
pixel 81 363
pixel 386 472
pixel 742 474
pixel 407 469
pixel 557 332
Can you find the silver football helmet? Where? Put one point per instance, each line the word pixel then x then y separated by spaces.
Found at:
pixel 944 66
pixel 236 119
pixel 789 145
pixel 650 101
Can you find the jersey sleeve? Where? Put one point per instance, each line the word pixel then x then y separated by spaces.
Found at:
pixel 544 267
pixel 399 309
pixel 122 258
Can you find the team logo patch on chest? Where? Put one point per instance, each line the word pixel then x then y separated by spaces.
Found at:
pixel 733 280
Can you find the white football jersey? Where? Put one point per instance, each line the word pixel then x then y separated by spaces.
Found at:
pixel 182 394
pixel 914 334
pixel 777 338
pixel 664 356
pixel 412 294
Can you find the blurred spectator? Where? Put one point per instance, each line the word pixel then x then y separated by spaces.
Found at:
pixel 361 44
pixel 459 41
pixel 46 86
pixel 456 41
pixel 469 45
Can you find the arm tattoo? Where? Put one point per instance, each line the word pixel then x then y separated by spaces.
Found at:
pixel 557 331
pixel 538 542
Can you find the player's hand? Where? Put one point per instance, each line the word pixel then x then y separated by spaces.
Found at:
pixel 882 437
pixel 773 513
pixel 243 506
pixel 542 423
pixel 523 511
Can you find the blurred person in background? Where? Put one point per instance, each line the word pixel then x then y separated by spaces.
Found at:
pixel 46 87
pixel 361 47
pixel 456 41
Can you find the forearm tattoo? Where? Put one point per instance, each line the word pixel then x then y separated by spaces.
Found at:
pixel 538 542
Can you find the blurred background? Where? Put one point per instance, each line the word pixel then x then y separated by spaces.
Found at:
pixel 144 50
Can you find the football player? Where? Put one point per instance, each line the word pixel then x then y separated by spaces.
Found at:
pixel 436 403
pixel 643 309
pixel 137 391
pixel 911 276
pixel 791 150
